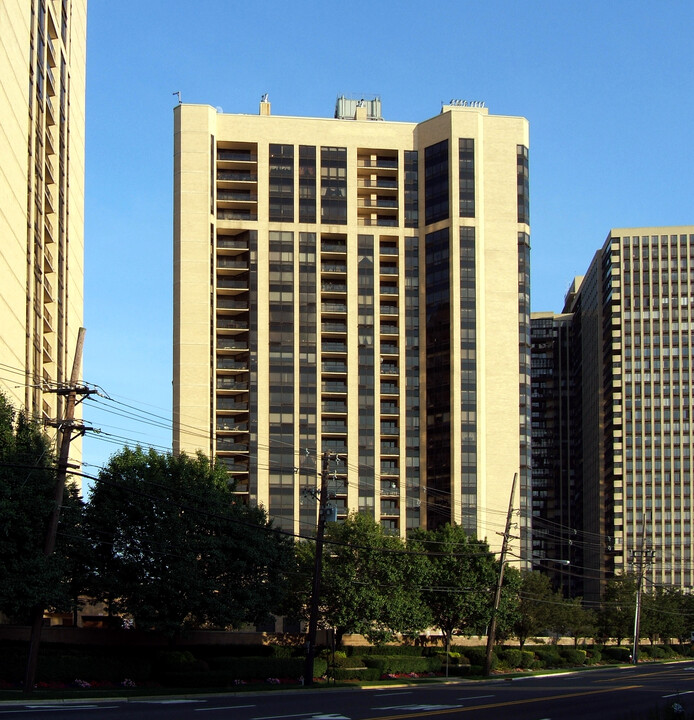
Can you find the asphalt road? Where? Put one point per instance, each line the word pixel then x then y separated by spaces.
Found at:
pixel 607 694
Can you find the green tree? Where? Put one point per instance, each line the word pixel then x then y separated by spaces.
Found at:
pixel 369 583
pixel 27 484
pixel 663 614
pixel 171 547
pixel 460 580
pixel 574 620
pixel 616 616
pixel 536 606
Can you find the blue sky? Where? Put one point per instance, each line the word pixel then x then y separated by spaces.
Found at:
pixel 608 89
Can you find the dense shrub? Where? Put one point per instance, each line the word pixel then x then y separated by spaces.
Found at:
pixel 390 650
pixel 361 674
pixel 402 664
pixel 511 656
pixel 478 656
pixel 573 656
pixel 616 654
pixel 593 656
pixel 549 657
pixel 251 668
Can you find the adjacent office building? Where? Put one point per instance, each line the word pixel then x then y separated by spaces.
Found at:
pixel 360 288
pixel 42 95
pixel 618 444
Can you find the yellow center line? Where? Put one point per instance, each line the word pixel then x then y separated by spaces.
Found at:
pixel 526 701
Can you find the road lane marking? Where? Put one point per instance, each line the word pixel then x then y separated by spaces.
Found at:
pixel 228 707
pixel 507 703
pixel 56 708
pixel 476 697
pixel 677 694
pixel 403 692
pixel 419 707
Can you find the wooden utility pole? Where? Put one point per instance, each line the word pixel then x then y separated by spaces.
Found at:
pixel 491 633
pixel 65 428
pixel 317 570
pixel 643 557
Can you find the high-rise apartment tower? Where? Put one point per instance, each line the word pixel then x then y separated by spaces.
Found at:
pixel 42 93
pixel 357 287
pixel 627 459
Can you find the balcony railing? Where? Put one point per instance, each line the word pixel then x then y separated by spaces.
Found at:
pixel 237 215
pixel 336 367
pixel 237 176
pixel 237 155
pixel 333 387
pixel 334 307
pixel 339 327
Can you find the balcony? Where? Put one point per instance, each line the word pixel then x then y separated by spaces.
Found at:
pixel 229 425
pixel 334 387
pixel 389 428
pixel 334 367
pixel 329 286
pixel 388 408
pixel 388 388
pixel 389 447
pixel 226 323
pixel 333 347
pixel 333 267
pixel 238 242
pixel 47 351
pixel 378 202
pixel 227 303
pixel 386 163
pixel 227 343
pixel 240 214
pixel 381 183
pixel 333 246
pixel 388 289
pixel 230 445
pixel 47 290
pixel 232 155
pixel 334 426
pixel 244 176
pixel 333 307
pixel 230 363
pixel 225 283
pixel 333 327
pixel 227 383
pixel 389 368
pixel 389 348
pixel 389 488
pixel 388 309
pixel 227 263
pixel 334 406
pixel 389 328
pixel 230 404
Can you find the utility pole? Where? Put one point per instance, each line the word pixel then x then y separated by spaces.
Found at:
pixel 317 570
pixel 491 632
pixel 643 557
pixel 65 428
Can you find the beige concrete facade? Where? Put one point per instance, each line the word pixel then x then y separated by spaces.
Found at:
pixel 42 121
pixel 352 286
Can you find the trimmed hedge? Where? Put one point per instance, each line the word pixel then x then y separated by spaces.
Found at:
pixel 573 656
pixel 402 664
pixel 389 650
pixel 361 674
pixel 477 656
pixel 259 668
pixel 616 654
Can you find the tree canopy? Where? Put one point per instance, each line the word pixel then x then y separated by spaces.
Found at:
pixel 27 482
pixel 460 579
pixel 172 547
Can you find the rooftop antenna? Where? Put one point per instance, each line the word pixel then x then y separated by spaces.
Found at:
pixel 178 92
